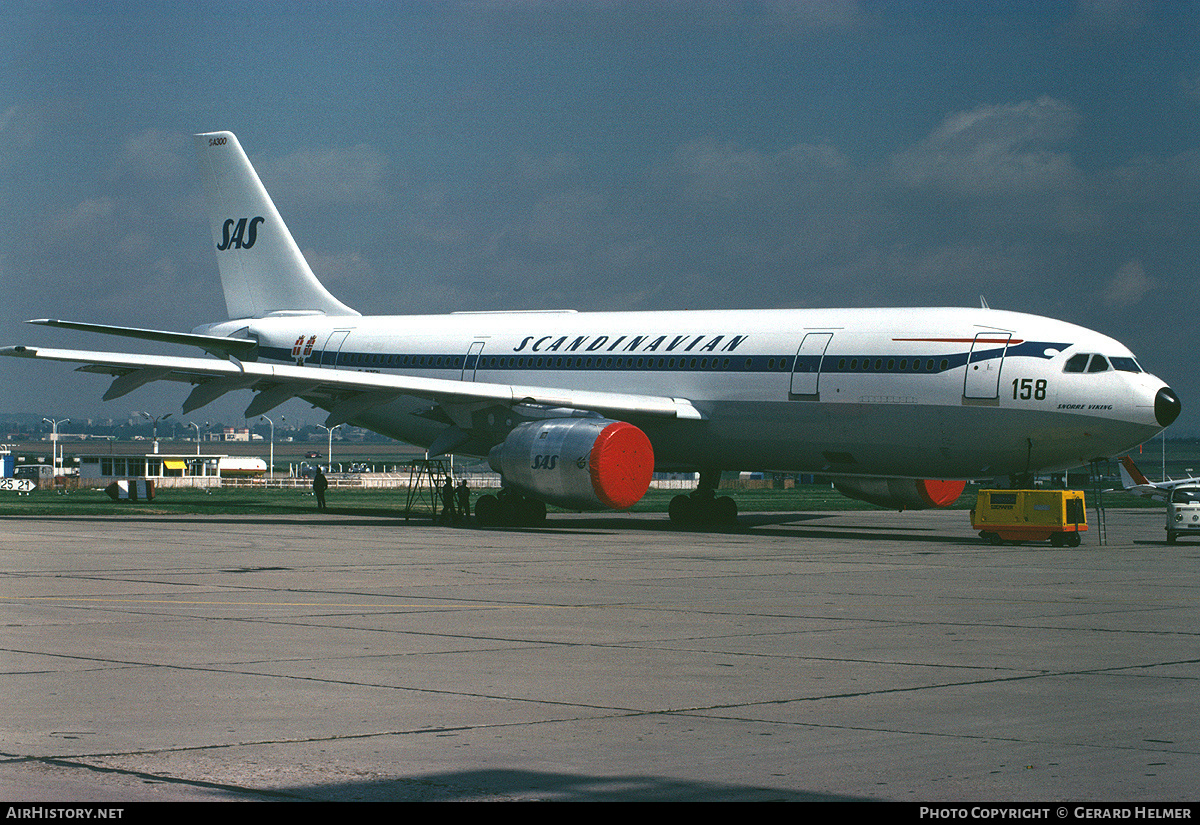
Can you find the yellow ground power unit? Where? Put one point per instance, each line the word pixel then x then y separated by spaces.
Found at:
pixel 1030 515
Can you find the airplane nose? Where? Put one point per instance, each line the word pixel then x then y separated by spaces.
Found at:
pixel 1166 407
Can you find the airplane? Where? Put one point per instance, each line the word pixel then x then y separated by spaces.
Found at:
pixel 899 406
pixel 1134 482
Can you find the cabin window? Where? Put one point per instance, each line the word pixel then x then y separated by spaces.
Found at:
pixel 1099 364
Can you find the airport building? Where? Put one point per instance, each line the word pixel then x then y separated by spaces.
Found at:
pixel 166 470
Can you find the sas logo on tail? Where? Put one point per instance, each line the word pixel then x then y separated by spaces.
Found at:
pixel 239 234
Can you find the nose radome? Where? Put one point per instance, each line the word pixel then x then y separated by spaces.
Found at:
pixel 1166 407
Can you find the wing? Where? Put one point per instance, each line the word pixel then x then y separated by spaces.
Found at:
pixel 345 393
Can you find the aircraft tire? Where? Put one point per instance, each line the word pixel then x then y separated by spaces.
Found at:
pixel 487 510
pixel 533 512
pixel 516 510
pixel 725 511
pixel 681 510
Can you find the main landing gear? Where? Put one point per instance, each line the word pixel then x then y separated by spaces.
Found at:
pixel 510 509
pixel 703 507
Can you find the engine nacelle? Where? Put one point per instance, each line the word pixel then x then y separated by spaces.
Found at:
pixel 901 493
pixel 577 463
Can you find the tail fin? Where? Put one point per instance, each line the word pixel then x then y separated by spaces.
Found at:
pixel 1131 476
pixel 262 269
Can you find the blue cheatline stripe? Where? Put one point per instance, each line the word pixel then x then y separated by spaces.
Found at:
pixel 913 364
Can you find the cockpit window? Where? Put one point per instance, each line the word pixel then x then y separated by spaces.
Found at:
pixel 1077 363
pixel 1125 364
pixel 1093 362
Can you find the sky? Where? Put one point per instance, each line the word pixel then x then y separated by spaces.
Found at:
pixel 524 154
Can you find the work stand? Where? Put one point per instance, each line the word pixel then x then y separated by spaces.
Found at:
pixel 425 479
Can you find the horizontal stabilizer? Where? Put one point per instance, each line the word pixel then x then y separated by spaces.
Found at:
pixel 242 348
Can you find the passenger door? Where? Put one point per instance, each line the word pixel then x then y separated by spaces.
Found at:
pixel 333 346
pixel 982 382
pixel 806 370
pixel 471 362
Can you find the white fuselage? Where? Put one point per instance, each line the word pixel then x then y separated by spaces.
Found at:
pixel 924 393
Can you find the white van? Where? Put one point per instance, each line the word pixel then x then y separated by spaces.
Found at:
pixel 1183 513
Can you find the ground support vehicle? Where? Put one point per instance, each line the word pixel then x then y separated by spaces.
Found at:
pixel 1183 513
pixel 1030 515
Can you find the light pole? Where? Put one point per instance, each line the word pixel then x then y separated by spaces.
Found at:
pixel 54 441
pixel 329 455
pixel 155 420
pixel 271 468
pixel 197 426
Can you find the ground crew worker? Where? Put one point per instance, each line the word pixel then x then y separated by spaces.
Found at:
pixel 447 501
pixel 320 483
pixel 463 496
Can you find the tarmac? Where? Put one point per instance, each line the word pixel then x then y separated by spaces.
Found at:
pixel 849 656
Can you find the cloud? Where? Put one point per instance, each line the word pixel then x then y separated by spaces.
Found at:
pixel 814 14
pixel 994 150
pixel 157 155
pixel 1110 15
pixel 348 176
pixel 86 220
pixel 1127 286
pixel 722 171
